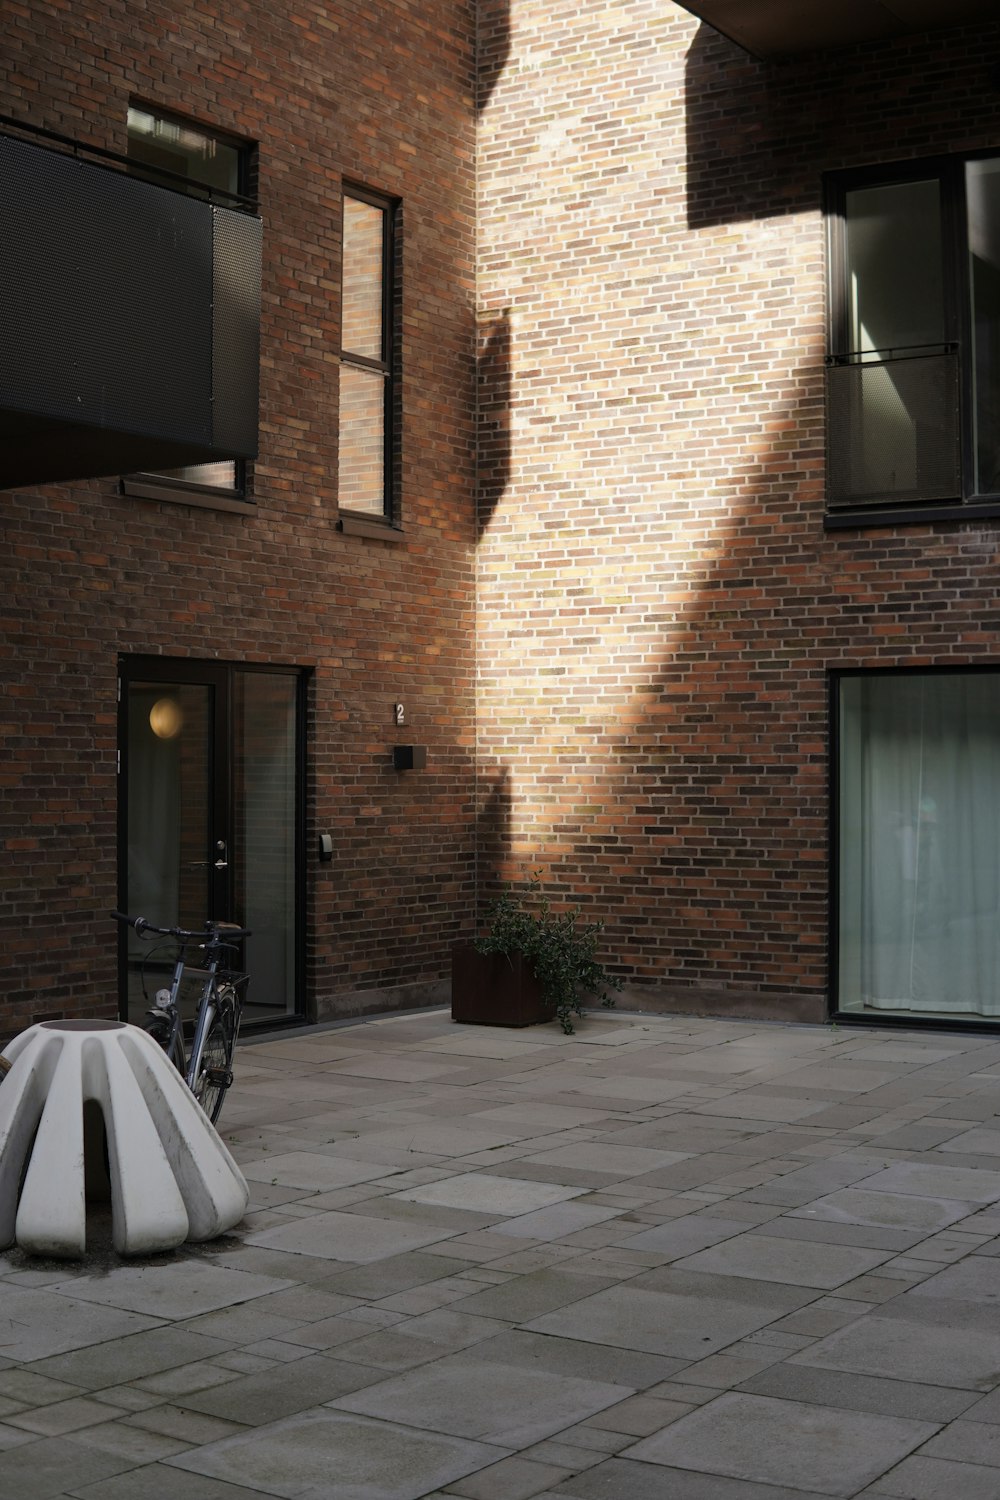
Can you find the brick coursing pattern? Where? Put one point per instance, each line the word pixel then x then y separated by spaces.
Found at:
pixel 658 604
pixel 381 95
pixel 613 312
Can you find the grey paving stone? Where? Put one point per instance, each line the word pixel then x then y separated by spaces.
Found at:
pixel 178 1289
pixel 920 1478
pixel 14 1437
pixel 788 1443
pixel 312 1169
pixel 655 1321
pixel 64 1416
pixel 397 1273
pixel 967 1442
pixel 853 1392
pixel 131 1443
pixel 685 1235
pixel 832 1232
pixel 562 1356
pixel 793 1189
pixel 334 1455
pixel 937 1182
pixel 492 1402
pixel 178 1421
pixel 54 1466
pixel 510 1479
pixel 37 1324
pixel 974 1279
pixel 263 1396
pixel 894 1210
pixel 795 1262
pixel 525 1297
pixel 30 1388
pixel 347 1237
pixel 118 1361
pixel 155 1482
pixel 285 1265
pixel 555 1223
pixel 624 1479
pixel 879 1345
pixel 500 1196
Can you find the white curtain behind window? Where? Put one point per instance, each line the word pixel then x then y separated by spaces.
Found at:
pixel 920 843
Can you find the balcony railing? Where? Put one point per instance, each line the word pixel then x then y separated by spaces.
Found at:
pixel 131 316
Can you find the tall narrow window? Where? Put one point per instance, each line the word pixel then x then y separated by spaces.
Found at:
pixel 366 370
pixel 206 165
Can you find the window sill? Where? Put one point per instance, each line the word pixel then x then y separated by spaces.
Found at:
pixel 181 494
pixel 352 523
pixel 909 515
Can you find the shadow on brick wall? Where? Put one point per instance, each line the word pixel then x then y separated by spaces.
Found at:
pixel 494 821
pixel 493 394
pixel 761 134
pixel 493 47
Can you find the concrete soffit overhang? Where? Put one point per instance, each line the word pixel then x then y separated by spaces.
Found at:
pixel 782 28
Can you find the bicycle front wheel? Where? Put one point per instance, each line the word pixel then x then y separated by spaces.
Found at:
pixel 214 1075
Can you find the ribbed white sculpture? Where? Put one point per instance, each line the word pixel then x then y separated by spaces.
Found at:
pixel 169 1175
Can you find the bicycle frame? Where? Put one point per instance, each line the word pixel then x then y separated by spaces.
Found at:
pixel 207 1068
pixel 188 1065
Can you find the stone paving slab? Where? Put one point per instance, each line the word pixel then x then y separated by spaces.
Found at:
pixel 664 1257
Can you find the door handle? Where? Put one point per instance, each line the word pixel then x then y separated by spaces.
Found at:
pixel 222 864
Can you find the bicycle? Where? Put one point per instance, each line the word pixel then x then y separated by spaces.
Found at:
pixel 207 1067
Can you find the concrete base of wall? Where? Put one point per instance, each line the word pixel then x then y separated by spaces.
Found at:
pixel 352 1004
pixel 653 999
pixel 741 1005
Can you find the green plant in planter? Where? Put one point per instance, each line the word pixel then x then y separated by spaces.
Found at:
pixel 559 948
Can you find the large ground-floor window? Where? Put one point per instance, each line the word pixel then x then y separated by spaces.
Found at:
pixel 918 844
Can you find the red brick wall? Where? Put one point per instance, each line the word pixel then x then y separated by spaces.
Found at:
pixel 659 606
pixel 383 96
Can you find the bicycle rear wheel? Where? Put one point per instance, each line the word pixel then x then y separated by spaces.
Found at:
pixel 215 1075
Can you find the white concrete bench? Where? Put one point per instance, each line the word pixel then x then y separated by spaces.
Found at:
pixel 74 1086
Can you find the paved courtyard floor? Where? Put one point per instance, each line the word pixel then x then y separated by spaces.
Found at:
pixel 663 1259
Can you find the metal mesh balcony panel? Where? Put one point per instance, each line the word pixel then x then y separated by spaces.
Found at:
pixel 118 326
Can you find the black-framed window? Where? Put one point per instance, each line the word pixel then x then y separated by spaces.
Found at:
pixel 368 420
pixel 913 370
pixel 916 825
pixel 208 164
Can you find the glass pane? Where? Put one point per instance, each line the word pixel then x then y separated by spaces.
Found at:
pixel 264 843
pixel 364 228
pixel 894 266
pixel 362 440
pixel 169 790
pixel 183 149
pixel 900 425
pixel 983 198
pixel 920 844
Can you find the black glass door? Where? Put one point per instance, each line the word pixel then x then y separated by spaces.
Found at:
pixel 210 819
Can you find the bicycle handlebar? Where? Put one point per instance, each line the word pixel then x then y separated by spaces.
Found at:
pixel 212 932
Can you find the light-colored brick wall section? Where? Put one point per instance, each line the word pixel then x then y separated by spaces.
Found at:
pixel 382 96
pixel 658 604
